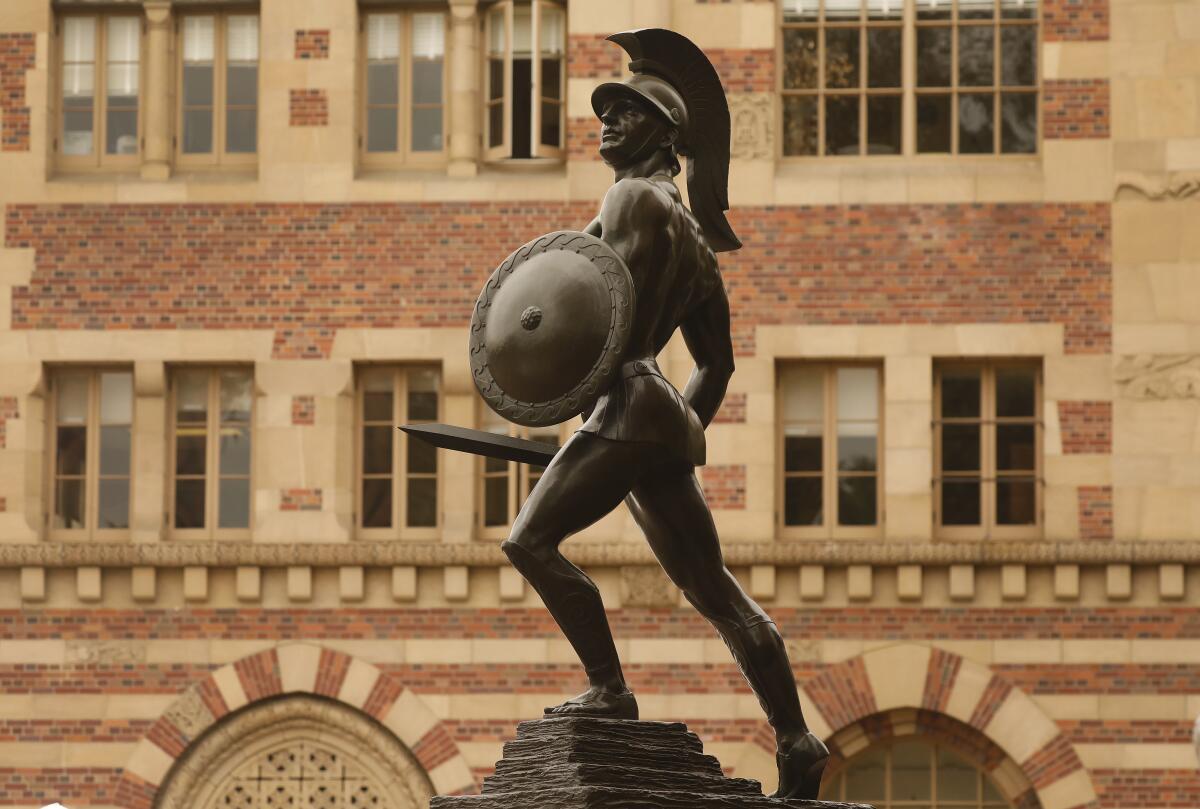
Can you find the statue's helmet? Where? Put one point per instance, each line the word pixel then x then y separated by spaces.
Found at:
pixel 662 97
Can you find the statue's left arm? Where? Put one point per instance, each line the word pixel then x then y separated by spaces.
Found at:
pixel 706 332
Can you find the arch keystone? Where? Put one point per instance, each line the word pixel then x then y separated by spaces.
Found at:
pixel 897 675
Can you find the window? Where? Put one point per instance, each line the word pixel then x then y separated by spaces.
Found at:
pixel 505 485
pixel 830 446
pixel 398 475
pixel 987 442
pixel 405 85
pixel 913 774
pixel 974 85
pixel 218 113
pixel 90 444
pixel 526 79
pixel 101 60
pixel 211 461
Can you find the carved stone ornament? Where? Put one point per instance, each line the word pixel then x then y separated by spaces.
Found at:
pixel 1157 187
pixel 750 119
pixel 647 587
pixel 1159 376
pixel 296 751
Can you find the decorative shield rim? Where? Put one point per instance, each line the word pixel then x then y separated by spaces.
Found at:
pixel 622 295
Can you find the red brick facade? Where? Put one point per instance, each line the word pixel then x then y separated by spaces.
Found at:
pixel 312 44
pixel 733 409
pixel 17 55
pixel 724 486
pixel 591 56
pixel 1076 108
pixel 1096 512
pixel 308 108
pixel 304 410
pixel 744 71
pixel 300 500
pixel 1086 427
pixel 8 410
pixel 1075 20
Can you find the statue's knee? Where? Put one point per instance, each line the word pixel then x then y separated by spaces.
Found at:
pixel 522 557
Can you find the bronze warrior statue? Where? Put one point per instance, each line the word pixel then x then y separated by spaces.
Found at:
pixel 641 439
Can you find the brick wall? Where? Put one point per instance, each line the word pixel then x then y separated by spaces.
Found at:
pixel 308 108
pixel 1076 108
pixel 591 56
pixel 312 44
pixel 17 55
pixel 1096 512
pixel 1086 427
pixel 300 500
pixel 733 409
pixel 304 410
pixel 306 270
pixel 8 410
pixel 1075 20
pixel 724 486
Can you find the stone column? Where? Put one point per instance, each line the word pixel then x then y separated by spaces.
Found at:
pixel 465 110
pixel 156 153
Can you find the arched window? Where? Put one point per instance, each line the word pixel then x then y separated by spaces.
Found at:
pixel 913 773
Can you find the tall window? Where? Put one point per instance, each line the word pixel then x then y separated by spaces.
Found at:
pixel 913 774
pixel 973 87
pixel 398 475
pixel 830 446
pixel 100 69
pixel 91 442
pixel 988 449
pixel 211 465
pixel 405 84
pixel 506 484
pixel 218 115
pixel 526 79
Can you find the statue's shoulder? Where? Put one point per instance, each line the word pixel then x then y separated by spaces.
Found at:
pixel 640 197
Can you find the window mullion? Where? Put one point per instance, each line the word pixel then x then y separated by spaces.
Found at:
pixel 908 80
pixel 988 465
pixel 212 471
pixel 399 450
pixel 91 469
pixel 829 428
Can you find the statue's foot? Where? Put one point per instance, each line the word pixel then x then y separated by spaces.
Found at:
pixel 599 702
pixel 801 763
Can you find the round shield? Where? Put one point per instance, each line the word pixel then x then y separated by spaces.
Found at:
pixel 550 327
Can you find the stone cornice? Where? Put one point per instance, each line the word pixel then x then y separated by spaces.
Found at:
pixel 487 554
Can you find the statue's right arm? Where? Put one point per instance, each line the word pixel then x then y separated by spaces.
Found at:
pixel 706 333
pixel 632 218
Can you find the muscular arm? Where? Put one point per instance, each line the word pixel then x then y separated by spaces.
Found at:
pixel 706 332
pixel 631 220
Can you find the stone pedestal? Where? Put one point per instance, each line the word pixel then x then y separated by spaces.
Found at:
pixel 614 764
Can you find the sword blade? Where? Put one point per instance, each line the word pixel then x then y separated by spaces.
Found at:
pixel 479 442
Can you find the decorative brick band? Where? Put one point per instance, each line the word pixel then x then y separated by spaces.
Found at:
pixel 8 410
pixel 591 56
pixel 1056 760
pixel 939 679
pixel 994 694
pixel 308 107
pixel 312 44
pixel 304 410
pixel 1086 427
pixel 300 500
pixel 1075 20
pixel 583 138
pixel 745 70
pixel 18 54
pixel 843 693
pixel 1076 108
pixel 733 410
pixel 724 486
pixel 1096 512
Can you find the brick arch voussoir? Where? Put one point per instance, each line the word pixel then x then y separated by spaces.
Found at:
pixel 293 668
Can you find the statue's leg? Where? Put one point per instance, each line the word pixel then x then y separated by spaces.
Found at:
pixel 672 512
pixel 587 479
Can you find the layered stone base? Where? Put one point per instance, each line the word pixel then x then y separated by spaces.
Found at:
pixel 576 763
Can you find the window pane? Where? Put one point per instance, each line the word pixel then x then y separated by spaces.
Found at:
pixel 800 10
pixel 377 503
pixel 79 39
pixel 933 123
pixel 1018 9
pixel 857 444
pixel 422 502
pixel 976 9
pixel 495 501
pixel 856 501
pixel 423 394
pixel 841 125
pixel 422 456
pixel 975 123
pixel 841 57
pixel 72 398
pixel 197 131
pixel 72 451
pixel 377 405
pixel 69 504
pixel 382 134
pixel 990 793
pixel 241 131
pixel 427 81
pixel 960 503
pixel 1016 502
pixel 383 36
pixel 197 85
pixel 802 450
pixel 1015 447
pixel 241 85
pixel 427 129
pixel 234 511
pixel 911 776
pixel 885 9
pixel 522 44
pixel 803 393
pixel 857 394
pixel 975 56
pixel 800 60
pixel 865 779
pixel 377 450
pixel 495 464
pixel 842 10
pixel 933 57
pixel 1018 55
pixel 121 131
pixel 189 504
pixel 1015 392
pixel 236 395
pixel 799 126
pixel 114 450
pixel 1018 123
pixel 241 39
pixel 496 41
pixel 551 124
pixel 123 35
pixel 77 132
pixel 960 447
pixel 495 124
pixel 552 79
pixel 199 34
pixel 883 125
pixel 190 452
pixel 956 779
pixel 113 511
pixel 553 34
pixel 428 36
pixel 802 501
pixel 960 394
pixel 235 451
pixel 933 9
pixel 883 57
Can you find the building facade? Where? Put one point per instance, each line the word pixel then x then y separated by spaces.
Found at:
pixel 958 462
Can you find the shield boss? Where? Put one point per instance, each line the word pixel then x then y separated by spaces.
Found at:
pixel 550 327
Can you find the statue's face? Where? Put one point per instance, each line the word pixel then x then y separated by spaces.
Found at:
pixel 630 131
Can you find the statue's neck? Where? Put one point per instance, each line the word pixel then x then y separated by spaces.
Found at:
pixel 657 162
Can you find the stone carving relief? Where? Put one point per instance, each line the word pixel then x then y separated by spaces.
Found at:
pixel 647 587
pixel 297 751
pixel 190 714
pixel 1159 376
pixel 750 132
pixel 1178 185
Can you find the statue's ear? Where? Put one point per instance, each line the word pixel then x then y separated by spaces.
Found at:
pixel 669 138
